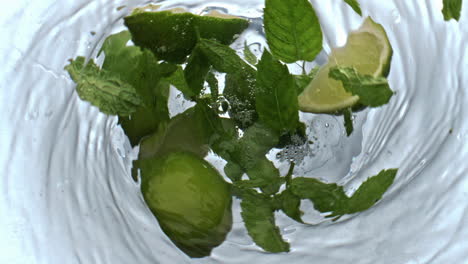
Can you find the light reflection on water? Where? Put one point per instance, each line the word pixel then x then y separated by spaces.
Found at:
pixel 67 192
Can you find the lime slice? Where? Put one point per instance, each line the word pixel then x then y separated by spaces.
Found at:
pixel 367 49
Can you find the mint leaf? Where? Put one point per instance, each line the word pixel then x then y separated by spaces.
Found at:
pixel 177 79
pixel 348 121
pixel 137 67
pixel 222 57
pixel 120 58
pixel 332 198
pixel 265 176
pixel 233 171
pixel 248 55
pixel 452 9
pixel 146 119
pixel 258 215
pixel 371 191
pixel 354 4
pixel 372 91
pixel 292 30
pixel 290 204
pixel 287 201
pixel 276 95
pixel 302 81
pixel 325 197
pixel 247 154
pixel 254 145
pixel 196 71
pixel 172 37
pixel 239 91
pixel 102 88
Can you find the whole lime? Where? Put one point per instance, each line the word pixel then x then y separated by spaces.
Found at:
pixel 190 199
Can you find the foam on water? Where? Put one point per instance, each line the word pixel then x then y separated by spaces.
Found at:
pixel 67 192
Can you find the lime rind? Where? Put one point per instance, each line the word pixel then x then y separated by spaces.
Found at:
pixel 387 53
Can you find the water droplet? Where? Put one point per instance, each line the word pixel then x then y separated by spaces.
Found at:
pixel 327 125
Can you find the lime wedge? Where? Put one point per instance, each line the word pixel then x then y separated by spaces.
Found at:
pixel 367 49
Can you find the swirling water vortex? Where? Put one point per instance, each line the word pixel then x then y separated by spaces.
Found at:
pixel 67 194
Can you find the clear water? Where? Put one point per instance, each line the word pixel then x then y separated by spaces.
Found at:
pixel 67 195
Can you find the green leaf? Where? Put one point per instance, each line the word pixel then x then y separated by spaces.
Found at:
pixel 292 30
pixel 225 139
pixel 102 88
pixel 325 197
pixel 354 4
pixel 372 91
pixel 196 71
pixel 276 95
pixel 331 197
pixel 139 68
pixel 258 215
pixel 290 204
pixel 248 55
pixel 239 81
pixel 266 176
pixel 120 58
pixel 239 91
pixel 348 121
pixel 302 81
pixel 452 9
pixel 147 119
pixel 172 37
pixel 244 154
pixel 177 79
pixel 256 142
pixel 371 191
pixel 233 171
pixel 222 57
